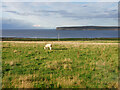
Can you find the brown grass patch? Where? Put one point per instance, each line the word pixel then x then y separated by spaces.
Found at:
pixel 70 81
pixel 23 82
pixel 65 64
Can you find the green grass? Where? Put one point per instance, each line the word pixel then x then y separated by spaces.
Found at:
pixel 28 65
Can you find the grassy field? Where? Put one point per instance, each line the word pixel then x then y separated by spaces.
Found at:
pixel 67 65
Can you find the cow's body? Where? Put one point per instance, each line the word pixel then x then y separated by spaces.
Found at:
pixel 48 46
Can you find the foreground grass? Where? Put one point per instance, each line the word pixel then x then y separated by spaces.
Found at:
pixel 28 65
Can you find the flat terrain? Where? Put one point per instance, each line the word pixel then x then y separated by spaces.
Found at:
pixel 70 64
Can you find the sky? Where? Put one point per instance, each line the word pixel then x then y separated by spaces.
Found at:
pixel 60 0
pixel 49 15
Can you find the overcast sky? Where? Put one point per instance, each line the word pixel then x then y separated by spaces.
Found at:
pixel 26 15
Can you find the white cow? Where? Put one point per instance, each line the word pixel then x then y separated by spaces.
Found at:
pixel 48 46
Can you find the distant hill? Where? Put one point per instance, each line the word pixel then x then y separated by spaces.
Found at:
pixel 88 28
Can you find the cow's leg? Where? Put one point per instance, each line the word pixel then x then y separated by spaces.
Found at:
pixel 44 48
pixel 50 48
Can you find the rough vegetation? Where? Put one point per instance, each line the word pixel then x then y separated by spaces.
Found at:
pixel 28 65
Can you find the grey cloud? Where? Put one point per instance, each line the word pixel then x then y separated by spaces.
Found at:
pixel 74 15
pixel 4 6
pixel 114 10
pixel 41 12
pixel 84 6
pixel 77 16
pixel 48 12
pixel 13 24
pixel 12 12
pixel 19 13
pixel 66 14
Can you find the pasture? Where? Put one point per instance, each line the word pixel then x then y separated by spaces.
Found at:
pixel 70 64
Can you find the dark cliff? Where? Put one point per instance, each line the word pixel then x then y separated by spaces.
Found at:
pixel 88 28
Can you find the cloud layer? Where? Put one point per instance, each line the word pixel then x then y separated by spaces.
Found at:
pixel 50 15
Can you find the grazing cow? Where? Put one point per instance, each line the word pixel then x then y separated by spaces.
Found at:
pixel 48 46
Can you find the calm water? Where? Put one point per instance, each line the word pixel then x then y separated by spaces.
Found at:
pixel 52 33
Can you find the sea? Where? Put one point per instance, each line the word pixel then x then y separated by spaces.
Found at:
pixel 53 33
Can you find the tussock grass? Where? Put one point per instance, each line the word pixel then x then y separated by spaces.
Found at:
pixel 65 66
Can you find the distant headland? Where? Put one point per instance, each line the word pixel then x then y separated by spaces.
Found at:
pixel 88 28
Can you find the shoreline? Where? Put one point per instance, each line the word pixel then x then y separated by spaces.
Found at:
pixel 55 39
